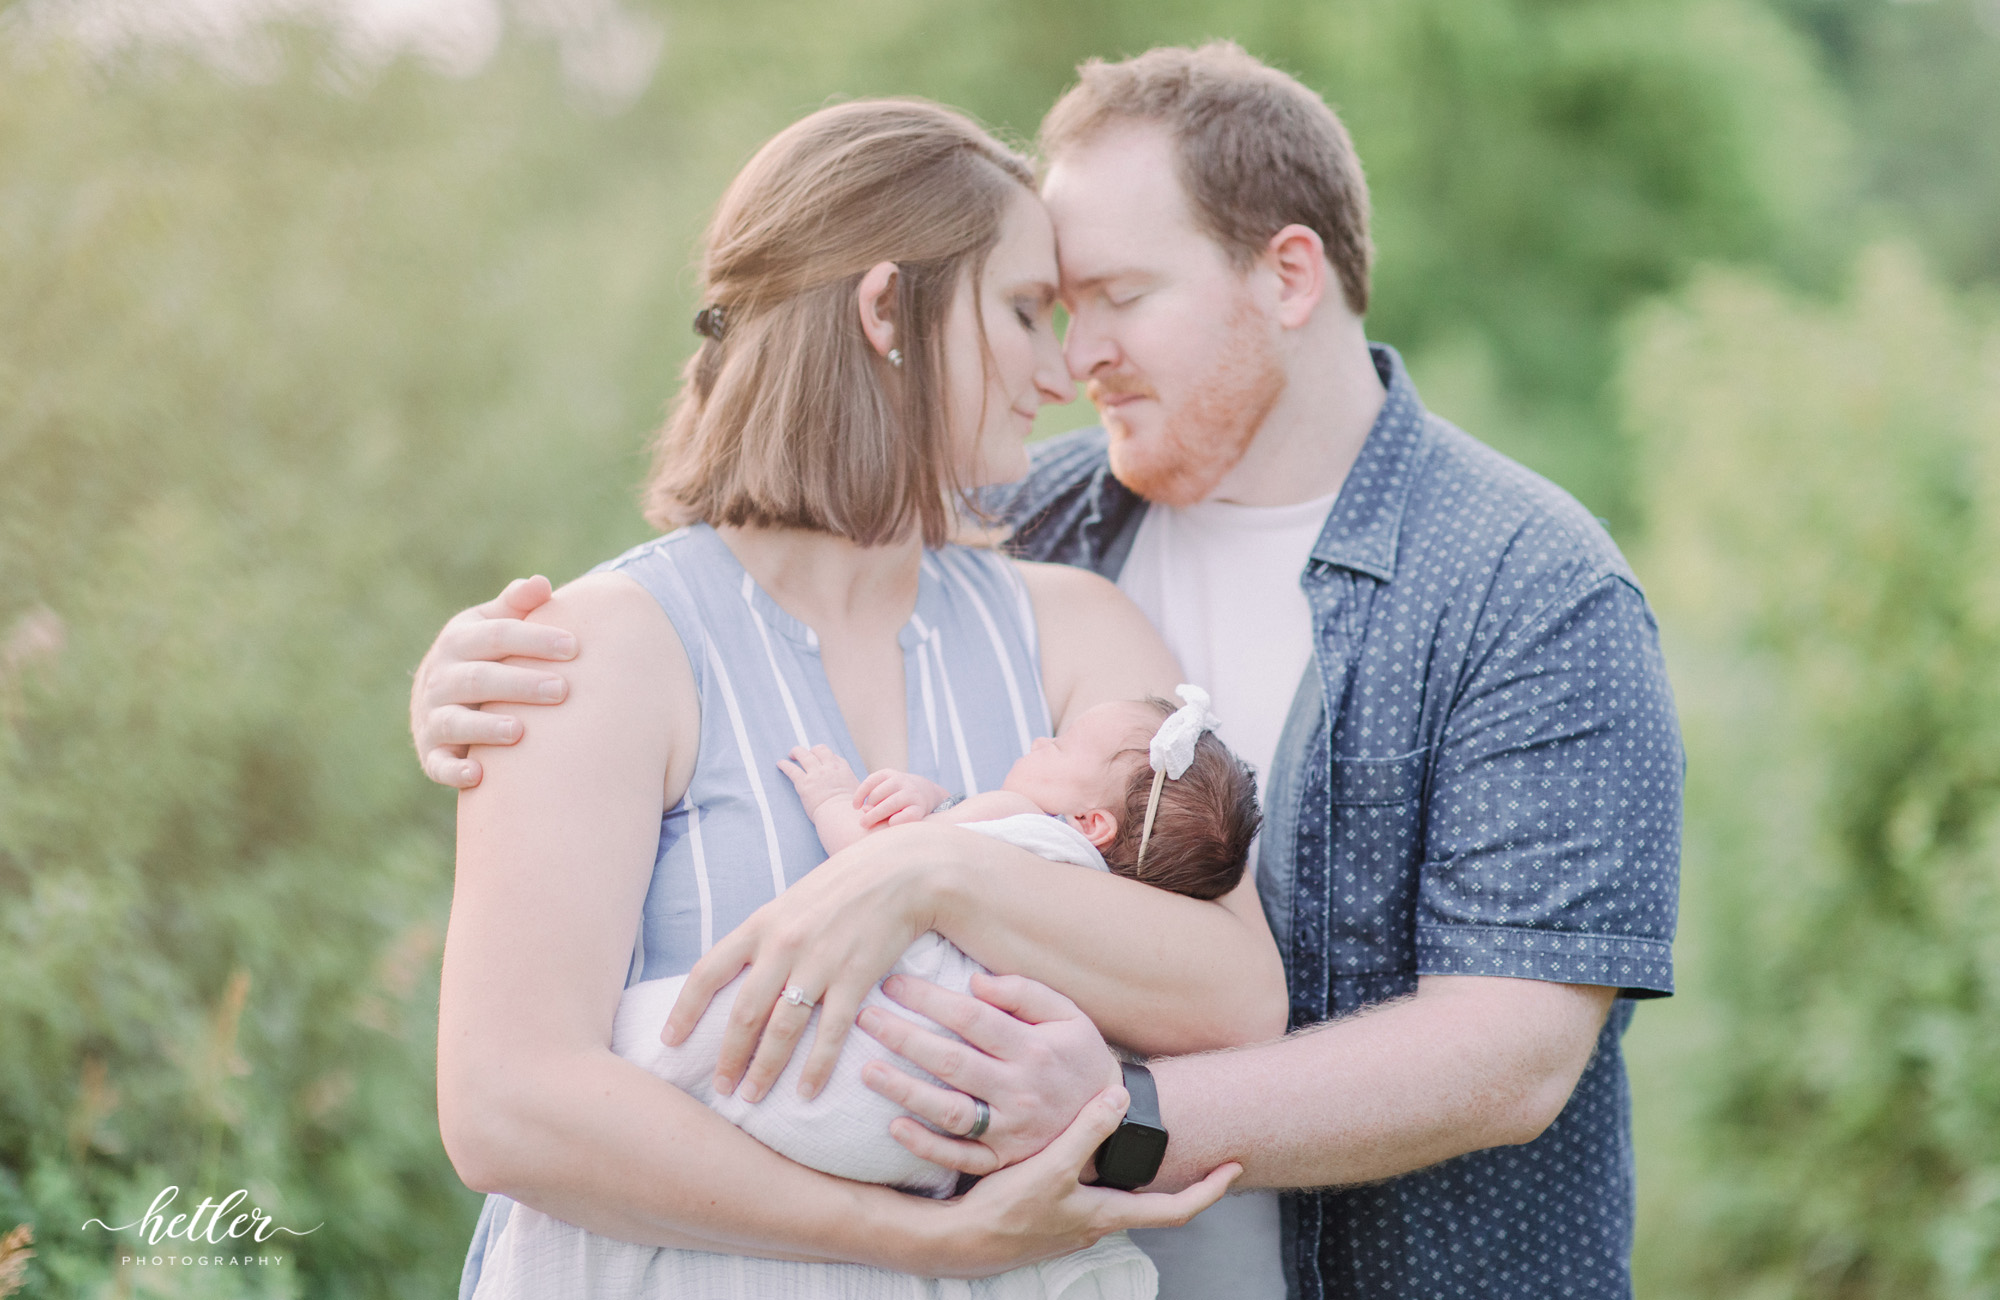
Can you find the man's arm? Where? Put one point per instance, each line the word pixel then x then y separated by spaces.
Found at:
pixel 1469 1062
pixel 1550 851
pixel 1546 884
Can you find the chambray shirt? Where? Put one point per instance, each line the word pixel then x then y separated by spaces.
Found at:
pixel 1480 775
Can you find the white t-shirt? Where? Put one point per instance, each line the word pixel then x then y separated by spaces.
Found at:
pixel 1221 583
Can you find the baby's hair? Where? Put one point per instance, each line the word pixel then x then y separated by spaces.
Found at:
pixel 1203 828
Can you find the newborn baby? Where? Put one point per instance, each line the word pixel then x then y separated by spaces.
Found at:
pixel 1094 778
pixel 1080 798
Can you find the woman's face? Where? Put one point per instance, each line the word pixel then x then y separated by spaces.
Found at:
pixel 992 392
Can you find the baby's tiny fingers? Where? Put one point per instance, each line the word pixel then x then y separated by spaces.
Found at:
pixel 876 815
pixel 902 806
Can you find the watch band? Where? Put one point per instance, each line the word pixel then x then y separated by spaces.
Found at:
pixel 1145 1105
pixel 1130 1158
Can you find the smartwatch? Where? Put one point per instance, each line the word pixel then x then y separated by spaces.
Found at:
pixel 1130 1158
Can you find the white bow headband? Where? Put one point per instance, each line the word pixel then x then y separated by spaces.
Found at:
pixel 1172 749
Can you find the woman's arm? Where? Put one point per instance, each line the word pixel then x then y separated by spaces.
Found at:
pixel 555 852
pixel 1159 972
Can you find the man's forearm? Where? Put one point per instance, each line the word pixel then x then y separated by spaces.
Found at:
pixel 1467 1063
pixel 1157 972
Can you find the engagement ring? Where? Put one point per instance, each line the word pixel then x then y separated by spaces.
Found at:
pixel 797 996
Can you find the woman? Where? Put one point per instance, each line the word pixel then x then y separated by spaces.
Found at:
pixel 881 280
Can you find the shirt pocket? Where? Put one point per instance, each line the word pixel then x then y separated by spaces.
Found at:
pixel 1379 781
pixel 1377 808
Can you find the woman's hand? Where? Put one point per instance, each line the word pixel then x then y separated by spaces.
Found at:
pixel 1028 1053
pixel 1040 1209
pixel 831 935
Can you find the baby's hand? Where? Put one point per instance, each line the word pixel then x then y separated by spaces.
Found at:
pixel 819 774
pixel 891 798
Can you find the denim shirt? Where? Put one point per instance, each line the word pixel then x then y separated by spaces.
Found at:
pixel 1480 775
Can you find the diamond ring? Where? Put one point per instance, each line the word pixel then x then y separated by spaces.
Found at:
pixel 797 997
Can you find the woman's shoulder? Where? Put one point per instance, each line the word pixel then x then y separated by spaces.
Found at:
pixel 1069 588
pixel 662 564
pixel 632 667
pixel 673 572
pixel 610 611
pixel 1096 644
pixel 1076 599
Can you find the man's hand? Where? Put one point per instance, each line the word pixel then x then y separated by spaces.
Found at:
pixel 1028 1053
pixel 463 671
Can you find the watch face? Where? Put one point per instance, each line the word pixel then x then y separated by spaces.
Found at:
pixel 1130 1157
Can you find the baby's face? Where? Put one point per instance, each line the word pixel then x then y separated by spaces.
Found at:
pixel 1082 768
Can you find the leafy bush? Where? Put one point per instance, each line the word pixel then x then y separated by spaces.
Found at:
pixel 1824 509
pixel 281 372
pixel 292 367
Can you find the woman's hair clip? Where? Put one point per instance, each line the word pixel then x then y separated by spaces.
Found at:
pixel 709 322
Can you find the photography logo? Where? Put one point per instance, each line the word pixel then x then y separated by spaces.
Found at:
pixel 215 1233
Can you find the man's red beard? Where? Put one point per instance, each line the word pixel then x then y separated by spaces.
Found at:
pixel 1205 434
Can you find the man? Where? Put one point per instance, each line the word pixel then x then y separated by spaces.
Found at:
pixel 1472 809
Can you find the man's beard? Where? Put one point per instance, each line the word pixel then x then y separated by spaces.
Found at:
pixel 1204 435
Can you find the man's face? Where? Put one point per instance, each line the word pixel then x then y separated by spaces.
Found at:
pixel 1180 360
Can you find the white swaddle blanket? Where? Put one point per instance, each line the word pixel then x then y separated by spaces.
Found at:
pixel 843 1131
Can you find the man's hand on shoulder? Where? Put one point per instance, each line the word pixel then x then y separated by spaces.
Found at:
pixel 463 671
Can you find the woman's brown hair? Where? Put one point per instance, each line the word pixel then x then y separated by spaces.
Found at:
pixel 787 417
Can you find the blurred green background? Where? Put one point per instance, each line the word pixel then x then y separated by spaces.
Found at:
pixel 316 327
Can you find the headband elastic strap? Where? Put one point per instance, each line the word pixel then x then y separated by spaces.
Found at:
pixel 1152 807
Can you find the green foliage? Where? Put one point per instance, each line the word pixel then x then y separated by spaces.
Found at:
pixel 252 337
pixel 1922 82
pixel 1541 168
pixel 1824 509
pixel 291 368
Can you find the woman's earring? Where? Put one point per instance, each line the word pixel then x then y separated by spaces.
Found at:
pixel 895 357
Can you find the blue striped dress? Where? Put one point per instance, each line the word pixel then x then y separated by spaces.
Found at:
pixel 973 703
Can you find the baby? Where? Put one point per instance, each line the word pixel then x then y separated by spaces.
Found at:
pixel 1094 778
pixel 1092 797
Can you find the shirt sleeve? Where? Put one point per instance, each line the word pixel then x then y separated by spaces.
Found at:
pixel 1552 840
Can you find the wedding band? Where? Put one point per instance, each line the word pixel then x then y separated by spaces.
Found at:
pixel 982 1115
pixel 797 996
